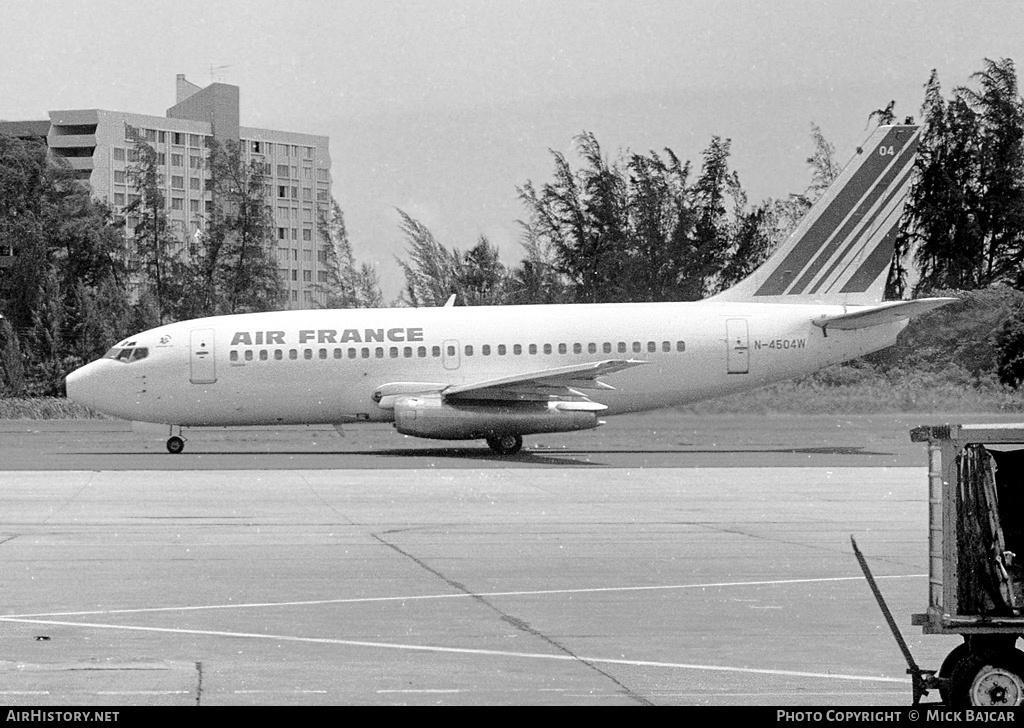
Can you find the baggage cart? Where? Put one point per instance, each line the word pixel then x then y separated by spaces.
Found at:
pixel 975 564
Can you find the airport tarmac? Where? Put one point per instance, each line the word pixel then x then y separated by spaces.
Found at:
pixel 663 559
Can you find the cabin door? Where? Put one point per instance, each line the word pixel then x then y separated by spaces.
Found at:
pixel 738 355
pixel 203 363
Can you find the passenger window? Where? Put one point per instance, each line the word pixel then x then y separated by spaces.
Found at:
pixel 501 350
pixel 592 348
pixel 652 347
pixel 337 353
pixel 293 354
pixel 517 349
pixel 323 353
pixel 666 346
pixel 680 346
pixel 577 348
pixel 485 349
pixel 263 354
pixel 351 353
pixel 421 351
pixel 248 354
pixel 393 352
pixel 233 357
pixel 636 347
pixel 451 351
pixel 366 352
pixel 533 348
pixel 278 354
pixel 407 352
pixel 469 350
pixel 308 353
pixel 379 352
pixel 547 348
pixel 607 347
pixel 562 349
pixel 435 351
pixel 622 347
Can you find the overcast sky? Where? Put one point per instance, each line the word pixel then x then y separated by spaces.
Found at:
pixel 443 108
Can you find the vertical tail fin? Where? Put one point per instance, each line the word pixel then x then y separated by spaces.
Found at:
pixel 841 251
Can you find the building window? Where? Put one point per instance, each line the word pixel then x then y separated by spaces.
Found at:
pixel 118 154
pixel 177 137
pixel 177 203
pixel 193 183
pixel 281 234
pixel 177 182
pixel 162 137
pixel 307 235
pixel 307 276
pixel 282 191
pixel 193 140
pixel 119 176
pixel 119 199
pixel 282 170
pixel 193 205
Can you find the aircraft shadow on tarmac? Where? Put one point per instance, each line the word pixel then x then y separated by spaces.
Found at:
pixel 538 457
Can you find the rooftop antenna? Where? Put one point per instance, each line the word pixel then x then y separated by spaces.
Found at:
pixel 217 73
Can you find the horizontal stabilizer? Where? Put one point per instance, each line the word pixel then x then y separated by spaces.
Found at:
pixel 885 313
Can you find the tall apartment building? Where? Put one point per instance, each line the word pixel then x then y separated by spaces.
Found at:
pixel 98 146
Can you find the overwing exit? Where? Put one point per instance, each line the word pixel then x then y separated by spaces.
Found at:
pixel 500 372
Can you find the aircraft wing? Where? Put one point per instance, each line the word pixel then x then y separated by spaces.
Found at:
pixel 545 384
pixel 884 313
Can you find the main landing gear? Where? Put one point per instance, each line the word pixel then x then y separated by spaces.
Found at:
pixel 505 444
pixel 175 445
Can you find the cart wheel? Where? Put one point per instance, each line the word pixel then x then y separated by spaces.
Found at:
pixel 988 679
pixel 949 666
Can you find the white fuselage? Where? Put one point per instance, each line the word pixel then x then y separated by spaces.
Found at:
pixel 323 366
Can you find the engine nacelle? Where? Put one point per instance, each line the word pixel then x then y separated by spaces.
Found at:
pixel 431 416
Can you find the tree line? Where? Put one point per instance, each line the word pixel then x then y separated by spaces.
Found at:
pixel 636 227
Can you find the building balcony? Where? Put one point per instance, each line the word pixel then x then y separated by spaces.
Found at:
pixel 65 141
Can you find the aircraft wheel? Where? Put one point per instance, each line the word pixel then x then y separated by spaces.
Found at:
pixel 175 445
pixel 506 444
pixel 988 679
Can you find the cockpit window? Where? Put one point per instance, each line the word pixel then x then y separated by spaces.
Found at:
pixel 127 353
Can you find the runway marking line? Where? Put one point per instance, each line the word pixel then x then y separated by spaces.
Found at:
pixel 463 650
pixel 458 595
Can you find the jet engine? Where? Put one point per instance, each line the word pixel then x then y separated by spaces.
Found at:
pixel 432 416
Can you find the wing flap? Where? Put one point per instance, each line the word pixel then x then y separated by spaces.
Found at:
pixel 885 313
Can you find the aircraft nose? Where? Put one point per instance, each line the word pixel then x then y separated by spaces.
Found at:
pixel 81 387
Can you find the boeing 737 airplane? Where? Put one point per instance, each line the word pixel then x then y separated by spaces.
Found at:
pixel 501 372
